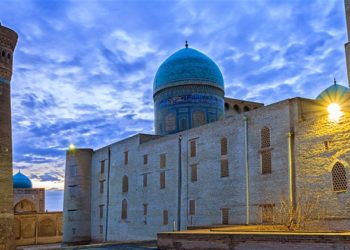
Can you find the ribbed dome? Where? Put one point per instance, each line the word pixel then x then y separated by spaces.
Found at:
pixel 335 93
pixel 187 65
pixel 21 181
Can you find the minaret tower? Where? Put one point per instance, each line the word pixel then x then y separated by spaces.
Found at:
pixel 8 41
pixel 347 45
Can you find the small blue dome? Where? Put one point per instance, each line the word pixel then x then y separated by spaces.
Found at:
pixel 21 181
pixel 335 93
pixel 187 65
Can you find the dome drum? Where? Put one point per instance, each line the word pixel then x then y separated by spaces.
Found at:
pixel 188 91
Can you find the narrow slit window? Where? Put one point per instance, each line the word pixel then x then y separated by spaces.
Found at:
pixel 193 148
pixel 165 217
pixel 145 208
pixel 101 211
pixel 194 172
pixel 102 186
pixel 124 209
pixel 144 180
pixel 162 180
pixel 192 207
pixel 125 186
pixel 102 167
pixel 162 161
pixel 224 146
pixel 266 162
pixel 126 157
pixel 224 168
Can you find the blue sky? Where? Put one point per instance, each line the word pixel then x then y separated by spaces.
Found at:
pixel 83 70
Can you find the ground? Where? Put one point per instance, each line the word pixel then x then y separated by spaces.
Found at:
pixel 121 246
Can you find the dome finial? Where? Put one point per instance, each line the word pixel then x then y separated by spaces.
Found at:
pixel 335 81
pixel 186 44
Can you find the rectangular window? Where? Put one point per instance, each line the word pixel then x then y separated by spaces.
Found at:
pixel 162 160
pixel 144 180
pixel 162 180
pixel 266 162
pixel 194 172
pixel 73 230
pixel 145 206
pixel 145 159
pixel 102 183
pixel 267 213
pixel 73 170
pixel 224 168
pixel 192 207
pixel 101 211
pixel 102 167
pixel 193 149
pixel 126 157
pixel 225 215
pixel 101 229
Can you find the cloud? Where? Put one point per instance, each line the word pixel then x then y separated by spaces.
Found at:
pixel 83 70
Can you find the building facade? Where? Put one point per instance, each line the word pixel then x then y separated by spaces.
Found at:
pixel 213 161
pixel 32 224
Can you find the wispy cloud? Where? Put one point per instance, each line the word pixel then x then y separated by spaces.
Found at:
pixel 83 70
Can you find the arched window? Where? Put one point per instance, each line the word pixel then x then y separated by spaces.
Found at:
pixel 165 217
pixel 198 118
pixel 124 209
pixel 24 206
pixel 125 184
pixel 224 146
pixel 3 53
pixel 246 108
pixel 236 108
pixel 227 106
pixel 339 177
pixel 170 122
pixel 265 137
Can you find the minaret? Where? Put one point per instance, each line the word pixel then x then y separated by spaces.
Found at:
pixel 347 45
pixel 8 41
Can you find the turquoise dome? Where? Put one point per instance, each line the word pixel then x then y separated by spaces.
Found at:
pixel 187 65
pixel 335 93
pixel 21 181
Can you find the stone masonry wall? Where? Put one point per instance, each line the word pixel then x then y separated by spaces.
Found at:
pixel 36 196
pixel 210 192
pixel 319 144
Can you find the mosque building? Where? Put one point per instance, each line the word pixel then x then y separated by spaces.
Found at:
pixel 213 160
pixel 32 224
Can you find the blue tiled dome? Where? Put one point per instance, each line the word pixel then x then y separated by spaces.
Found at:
pixel 187 64
pixel 21 181
pixel 335 93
